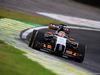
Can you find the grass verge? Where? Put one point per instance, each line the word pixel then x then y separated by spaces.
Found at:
pixel 28 18
pixel 13 62
pixel 33 19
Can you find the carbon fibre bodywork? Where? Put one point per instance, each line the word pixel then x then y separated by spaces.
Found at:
pixel 60 45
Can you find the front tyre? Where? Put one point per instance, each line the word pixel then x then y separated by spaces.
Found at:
pixel 37 37
pixel 81 49
pixel 32 38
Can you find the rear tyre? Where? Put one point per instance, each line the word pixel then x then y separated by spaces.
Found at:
pixel 80 53
pixel 36 39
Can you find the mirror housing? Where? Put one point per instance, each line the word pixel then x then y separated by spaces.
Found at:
pixel 49 33
pixel 71 39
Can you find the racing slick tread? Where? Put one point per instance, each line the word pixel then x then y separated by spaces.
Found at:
pixel 31 38
pixel 81 50
pixel 36 39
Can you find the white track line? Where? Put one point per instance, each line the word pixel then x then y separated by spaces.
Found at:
pixel 72 20
pixel 24 35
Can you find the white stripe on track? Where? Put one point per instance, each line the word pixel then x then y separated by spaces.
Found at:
pixel 24 35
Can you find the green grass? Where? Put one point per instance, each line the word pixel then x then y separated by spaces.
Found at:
pixel 32 19
pixel 27 18
pixel 13 62
pixel 2 42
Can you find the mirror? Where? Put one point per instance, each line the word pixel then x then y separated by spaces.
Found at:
pixel 71 39
pixel 49 33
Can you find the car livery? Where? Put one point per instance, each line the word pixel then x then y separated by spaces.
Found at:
pixel 58 42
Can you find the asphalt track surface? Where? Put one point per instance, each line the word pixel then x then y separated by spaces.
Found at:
pixel 64 7
pixel 88 37
pixel 68 8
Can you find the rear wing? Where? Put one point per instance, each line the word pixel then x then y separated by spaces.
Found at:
pixel 67 30
pixel 56 27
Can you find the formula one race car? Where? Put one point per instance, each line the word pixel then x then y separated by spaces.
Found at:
pixel 57 41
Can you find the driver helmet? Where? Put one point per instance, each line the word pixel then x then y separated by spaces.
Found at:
pixel 61 33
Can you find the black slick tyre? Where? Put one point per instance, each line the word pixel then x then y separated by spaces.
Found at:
pixel 32 37
pixel 80 53
pixel 36 39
